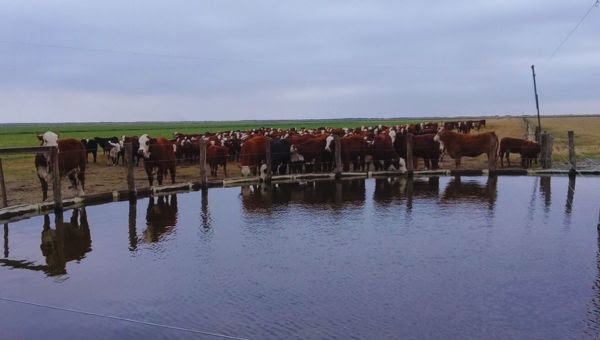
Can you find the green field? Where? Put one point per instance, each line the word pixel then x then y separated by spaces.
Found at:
pixel 15 135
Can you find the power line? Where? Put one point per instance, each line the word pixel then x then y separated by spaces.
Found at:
pixel 595 4
pixel 189 330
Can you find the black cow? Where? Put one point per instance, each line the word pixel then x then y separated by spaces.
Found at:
pixel 280 155
pixel 91 146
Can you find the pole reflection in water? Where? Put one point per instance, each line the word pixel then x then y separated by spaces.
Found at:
pixel 317 194
pixel 546 191
pixel 67 242
pixel 593 320
pixel 133 240
pixel 472 192
pixel 570 195
pixel 6 240
pixel 161 217
pixel 205 213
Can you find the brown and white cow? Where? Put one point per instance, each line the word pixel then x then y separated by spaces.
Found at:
pixel 459 145
pixel 159 157
pixel 72 157
pixel 216 155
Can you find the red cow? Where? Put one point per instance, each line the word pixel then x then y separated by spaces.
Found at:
pixel 423 146
pixel 529 152
pixel 158 154
pixel 508 145
pixel 217 155
pixel 383 152
pixel 72 158
pixel 253 154
pixel 316 151
pixel 458 145
pixel 353 150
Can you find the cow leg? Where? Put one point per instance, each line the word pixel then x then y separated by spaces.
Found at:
pixel 508 158
pixel 225 168
pixel 94 154
pixel 172 173
pixel 457 162
pixel 44 187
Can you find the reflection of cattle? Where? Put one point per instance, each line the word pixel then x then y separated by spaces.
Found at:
pixel 423 146
pixel 91 146
pixel 161 217
pixel 68 242
pixel 71 162
pixel 471 191
pixel 529 153
pixel 387 189
pixel 158 156
pixel 313 195
pixel 459 145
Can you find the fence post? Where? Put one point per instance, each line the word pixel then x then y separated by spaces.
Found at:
pixel 546 151
pixel 56 189
pixel 492 158
pixel 338 156
pixel 202 146
pixel 4 203
pixel 410 166
pixel 129 164
pixel 572 159
pixel 268 161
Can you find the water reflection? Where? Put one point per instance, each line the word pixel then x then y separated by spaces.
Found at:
pixel 593 320
pixel 204 212
pixel 570 195
pixel 390 189
pixel 472 191
pixel 317 194
pixel 133 240
pixel 5 240
pixel 69 241
pixel 546 191
pixel 161 217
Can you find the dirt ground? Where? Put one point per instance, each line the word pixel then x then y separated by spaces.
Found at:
pixel 23 185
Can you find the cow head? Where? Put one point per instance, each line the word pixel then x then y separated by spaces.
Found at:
pixel 49 138
pixel 263 172
pixel 328 141
pixel 144 149
pixel 437 138
pixel 245 171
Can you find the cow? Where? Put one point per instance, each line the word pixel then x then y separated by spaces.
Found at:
pixel 91 146
pixel 280 155
pixel 459 145
pixel 384 155
pixel 135 145
pixel 252 155
pixel 530 151
pixel 161 217
pixel 159 155
pixel 509 145
pixel 316 152
pixel 71 162
pixel 114 153
pixel 103 143
pixel 216 155
pixel 423 146
pixel 354 150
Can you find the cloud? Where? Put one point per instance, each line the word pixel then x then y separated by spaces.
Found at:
pixel 274 59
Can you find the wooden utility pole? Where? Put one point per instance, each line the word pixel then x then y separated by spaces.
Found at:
pixel 537 105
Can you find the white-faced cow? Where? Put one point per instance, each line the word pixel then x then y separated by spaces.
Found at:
pixel 72 158
pixel 159 157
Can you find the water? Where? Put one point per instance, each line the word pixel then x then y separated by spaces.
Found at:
pixel 470 257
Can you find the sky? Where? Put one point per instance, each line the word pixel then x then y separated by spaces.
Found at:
pixel 115 60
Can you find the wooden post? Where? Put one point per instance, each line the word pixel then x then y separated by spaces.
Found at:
pixel 3 197
pixel 56 189
pixel 410 166
pixel 268 161
pixel 492 159
pixel 546 151
pixel 202 146
pixel 129 164
pixel 550 146
pixel 572 159
pixel 338 156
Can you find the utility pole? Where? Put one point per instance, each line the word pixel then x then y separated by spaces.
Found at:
pixel 537 104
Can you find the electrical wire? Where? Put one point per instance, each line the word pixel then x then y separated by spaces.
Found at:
pixel 594 5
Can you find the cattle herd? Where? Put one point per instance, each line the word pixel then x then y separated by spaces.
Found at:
pixel 292 150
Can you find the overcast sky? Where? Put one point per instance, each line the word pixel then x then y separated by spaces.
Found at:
pixel 226 60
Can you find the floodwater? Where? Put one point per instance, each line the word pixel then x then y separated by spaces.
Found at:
pixel 470 257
